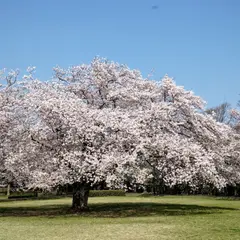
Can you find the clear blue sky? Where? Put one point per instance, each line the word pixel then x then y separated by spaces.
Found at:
pixel 195 41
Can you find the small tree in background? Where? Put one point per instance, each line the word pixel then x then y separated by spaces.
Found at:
pixel 221 113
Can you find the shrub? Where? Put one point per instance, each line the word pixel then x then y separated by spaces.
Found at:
pixel 23 195
pixel 104 193
pixel 49 195
pixel 146 194
pixel 3 191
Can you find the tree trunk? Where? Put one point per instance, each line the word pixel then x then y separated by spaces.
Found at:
pixel 8 189
pixel 160 190
pixel 80 196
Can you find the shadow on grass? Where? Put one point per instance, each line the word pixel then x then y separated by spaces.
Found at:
pixel 32 199
pixel 113 210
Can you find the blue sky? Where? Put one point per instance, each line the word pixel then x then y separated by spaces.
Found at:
pixel 195 41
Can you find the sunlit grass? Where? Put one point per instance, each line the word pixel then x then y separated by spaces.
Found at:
pixel 131 217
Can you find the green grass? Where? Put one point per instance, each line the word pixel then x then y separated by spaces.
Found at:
pixel 130 217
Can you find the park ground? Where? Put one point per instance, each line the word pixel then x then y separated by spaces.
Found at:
pixel 122 218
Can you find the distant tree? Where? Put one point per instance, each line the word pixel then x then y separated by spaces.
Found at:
pixel 235 113
pixel 221 113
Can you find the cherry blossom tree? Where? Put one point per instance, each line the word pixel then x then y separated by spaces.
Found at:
pixel 105 122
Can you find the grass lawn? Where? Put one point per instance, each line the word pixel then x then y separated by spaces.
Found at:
pixel 122 218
